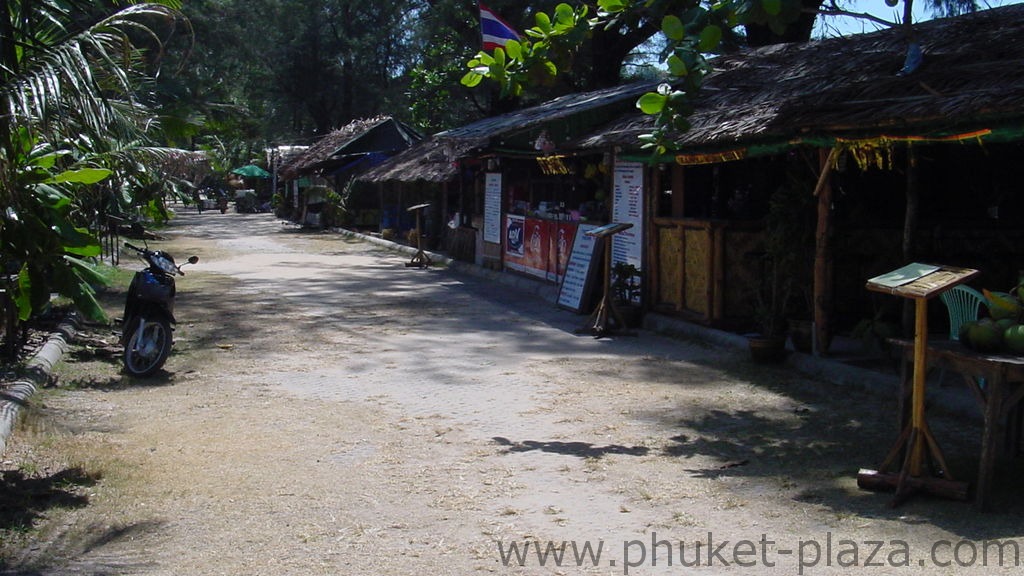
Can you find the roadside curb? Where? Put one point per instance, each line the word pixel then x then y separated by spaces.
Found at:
pixel 37 373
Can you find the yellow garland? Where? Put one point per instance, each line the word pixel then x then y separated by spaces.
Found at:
pixel 711 157
pixel 877 152
pixel 552 165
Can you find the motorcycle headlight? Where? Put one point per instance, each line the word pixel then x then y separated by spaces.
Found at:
pixel 166 264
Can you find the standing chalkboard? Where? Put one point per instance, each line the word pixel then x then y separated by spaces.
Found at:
pixel 579 273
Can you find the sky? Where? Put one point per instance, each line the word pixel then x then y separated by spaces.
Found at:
pixel 835 26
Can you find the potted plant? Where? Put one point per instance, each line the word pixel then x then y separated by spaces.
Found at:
pixel 786 245
pixel 625 285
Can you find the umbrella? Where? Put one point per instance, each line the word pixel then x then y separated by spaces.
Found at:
pixel 251 170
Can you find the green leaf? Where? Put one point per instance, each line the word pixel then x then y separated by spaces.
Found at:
pixel 772 7
pixel 87 271
pixel 564 15
pixel 23 294
pixel 612 5
pixel 543 21
pixel 676 66
pixel 673 27
pixel 652 103
pixel 82 176
pixel 710 37
pixel 514 49
pixel 471 79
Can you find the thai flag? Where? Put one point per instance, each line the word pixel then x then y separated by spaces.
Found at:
pixel 496 32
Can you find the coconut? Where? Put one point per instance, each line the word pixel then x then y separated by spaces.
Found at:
pixel 1013 339
pixel 985 336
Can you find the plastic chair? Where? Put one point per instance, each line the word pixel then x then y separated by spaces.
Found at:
pixel 963 303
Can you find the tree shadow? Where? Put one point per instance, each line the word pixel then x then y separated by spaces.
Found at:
pixel 814 449
pixel 24 499
pixel 578 449
pixel 82 550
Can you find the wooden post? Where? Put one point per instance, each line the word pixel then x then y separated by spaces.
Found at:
pixel 823 269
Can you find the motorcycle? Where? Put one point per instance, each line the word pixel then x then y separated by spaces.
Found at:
pixel 149 312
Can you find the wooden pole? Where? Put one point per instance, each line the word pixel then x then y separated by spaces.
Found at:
pixel 917 421
pixel 823 272
pixel 910 218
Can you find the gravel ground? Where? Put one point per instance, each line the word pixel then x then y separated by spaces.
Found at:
pixel 327 410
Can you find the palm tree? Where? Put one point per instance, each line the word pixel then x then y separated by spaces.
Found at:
pixel 68 81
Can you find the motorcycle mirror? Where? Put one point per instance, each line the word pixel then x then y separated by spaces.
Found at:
pixel 193 259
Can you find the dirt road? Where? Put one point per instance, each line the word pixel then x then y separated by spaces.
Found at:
pixel 329 411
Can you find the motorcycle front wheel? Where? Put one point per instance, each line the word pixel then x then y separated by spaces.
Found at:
pixel 148 346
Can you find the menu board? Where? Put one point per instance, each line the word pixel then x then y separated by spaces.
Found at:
pixel 627 207
pixel 917 280
pixel 492 207
pixel 581 270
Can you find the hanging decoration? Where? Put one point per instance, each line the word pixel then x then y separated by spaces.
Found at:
pixel 877 152
pixel 711 157
pixel 544 143
pixel 553 165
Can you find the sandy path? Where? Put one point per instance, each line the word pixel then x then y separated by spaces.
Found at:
pixel 329 411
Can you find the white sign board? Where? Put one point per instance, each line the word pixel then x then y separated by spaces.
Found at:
pixel 581 270
pixel 628 206
pixel 492 207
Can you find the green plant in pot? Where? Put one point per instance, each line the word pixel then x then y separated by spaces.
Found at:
pixel 785 266
pixel 625 285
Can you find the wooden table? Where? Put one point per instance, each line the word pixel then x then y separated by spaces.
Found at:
pixel 999 398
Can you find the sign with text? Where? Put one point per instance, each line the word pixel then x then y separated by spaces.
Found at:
pixel 581 271
pixel 492 207
pixel 628 207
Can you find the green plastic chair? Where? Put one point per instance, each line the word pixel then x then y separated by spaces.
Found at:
pixel 963 303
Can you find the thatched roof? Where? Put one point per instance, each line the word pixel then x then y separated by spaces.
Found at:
pixel 972 75
pixel 434 161
pixel 428 161
pixel 559 108
pixel 381 135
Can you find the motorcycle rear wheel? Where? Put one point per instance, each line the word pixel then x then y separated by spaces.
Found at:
pixel 147 347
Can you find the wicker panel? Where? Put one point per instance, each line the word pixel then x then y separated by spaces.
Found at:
pixel 698 251
pixel 670 274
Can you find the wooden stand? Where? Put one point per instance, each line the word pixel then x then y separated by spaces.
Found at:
pixel 420 259
pixel 923 466
pixel 606 318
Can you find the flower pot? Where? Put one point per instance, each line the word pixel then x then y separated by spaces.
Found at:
pixel 767 349
pixel 631 314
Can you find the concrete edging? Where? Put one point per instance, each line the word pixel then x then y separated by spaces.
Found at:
pixel 37 373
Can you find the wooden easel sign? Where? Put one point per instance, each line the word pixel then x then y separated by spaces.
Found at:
pixel 923 466
pixel 420 259
pixel 606 318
